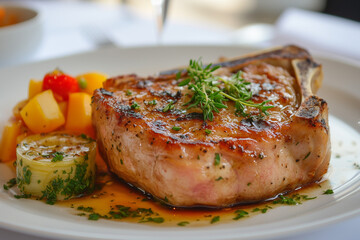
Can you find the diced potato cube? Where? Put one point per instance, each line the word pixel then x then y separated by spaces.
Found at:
pixel 79 113
pixel 35 87
pixel 8 141
pixel 42 113
pixel 88 82
pixel 63 107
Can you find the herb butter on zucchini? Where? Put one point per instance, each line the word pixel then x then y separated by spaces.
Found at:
pixel 56 166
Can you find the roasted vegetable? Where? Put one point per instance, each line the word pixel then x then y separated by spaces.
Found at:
pixel 79 113
pixel 42 113
pixel 8 141
pixel 61 84
pixel 56 166
pixel 88 82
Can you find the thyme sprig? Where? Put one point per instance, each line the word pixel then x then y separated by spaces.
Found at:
pixel 210 92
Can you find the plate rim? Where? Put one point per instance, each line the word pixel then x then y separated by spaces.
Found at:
pixel 295 229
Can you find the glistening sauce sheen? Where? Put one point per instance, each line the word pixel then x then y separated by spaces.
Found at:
pixel 113 192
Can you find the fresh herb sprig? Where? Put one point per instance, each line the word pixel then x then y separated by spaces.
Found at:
pixel 210 92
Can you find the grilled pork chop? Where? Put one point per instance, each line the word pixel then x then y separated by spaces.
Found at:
pixel 150 140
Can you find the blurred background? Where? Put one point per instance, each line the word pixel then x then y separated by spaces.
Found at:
pixel 72 26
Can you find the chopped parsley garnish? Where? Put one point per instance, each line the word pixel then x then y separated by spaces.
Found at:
pixel 217 159
pixel 215 219
pixel 94 216
pixel 293 200
pixel 151 219
pixel 27 175
pixel 285 200
pixel 85 209
pixel 84 136
pixel 219 178
pixel 135 105
pixel 22 196
pixel 152 102
pixel 182 224
pixel 240 214
pixel 329 191
pixel 128 93
pixel 10 184
pixel 71 186
pixel 207 131
pixel 176 128
pixel 262 210
pixel 168 107
pixel 210 92
pixel 307 155
pixel 58 156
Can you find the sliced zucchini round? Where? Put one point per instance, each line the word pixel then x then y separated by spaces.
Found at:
pixel 56 166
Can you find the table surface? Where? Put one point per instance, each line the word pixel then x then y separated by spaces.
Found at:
pixel 125 28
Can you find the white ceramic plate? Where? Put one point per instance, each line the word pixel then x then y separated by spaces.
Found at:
pixel 340 89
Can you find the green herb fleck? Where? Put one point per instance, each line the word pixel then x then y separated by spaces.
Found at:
pixel 85 209
pixel 262 210
pixel 135 105
pixel 27 174
pixel 207 131
pixel 94 216
pixel 240 214
pixel 307 155
pixel 217 159
pixel 152 102
pixel 182 224
pixel 10 184
pixel 219 178
pixel 215 219
pixel 168 107
pixel 128 93
pixel 151 219
pixel 329 191
pixel 286 200
pixel 22 196
pixel 176 128
pixel 58 156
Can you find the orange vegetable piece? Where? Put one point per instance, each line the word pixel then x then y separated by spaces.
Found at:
pixel 42 113
pixel 63 107
pixel 35 87
pixel 8 142
pixel 88 82
pixel 79 113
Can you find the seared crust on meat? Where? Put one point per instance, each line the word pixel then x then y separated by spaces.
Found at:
pixel 259 158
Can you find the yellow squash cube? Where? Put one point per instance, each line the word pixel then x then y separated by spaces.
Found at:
pixel 8 141
pixel 88 82
pixel 42 113
pixel 35 87
pixel 63 107
pixel 79 113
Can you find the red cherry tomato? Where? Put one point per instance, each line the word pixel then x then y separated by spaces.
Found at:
pixel 60 83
